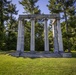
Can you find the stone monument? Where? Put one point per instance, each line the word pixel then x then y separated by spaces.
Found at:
pixel 57 36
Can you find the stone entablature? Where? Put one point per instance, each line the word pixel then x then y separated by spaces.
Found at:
pixel 39 16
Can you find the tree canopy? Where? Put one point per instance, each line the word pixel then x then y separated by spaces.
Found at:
pixel 9 24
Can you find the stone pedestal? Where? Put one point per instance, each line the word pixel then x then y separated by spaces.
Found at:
pixel 46 40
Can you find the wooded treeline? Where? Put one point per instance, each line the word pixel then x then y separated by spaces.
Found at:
pixel 9 24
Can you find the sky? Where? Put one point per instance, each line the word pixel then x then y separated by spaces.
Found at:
pixel 41 3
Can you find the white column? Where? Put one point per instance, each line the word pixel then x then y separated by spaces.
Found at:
pixel 32 35
pixel 46 40
pixel 55 37
pixel 60 42
pixel 20 39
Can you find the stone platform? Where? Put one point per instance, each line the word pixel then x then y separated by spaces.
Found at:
pixel 37 54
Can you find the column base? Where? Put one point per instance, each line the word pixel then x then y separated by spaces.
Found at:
pixel 17 53
pixel 46 52
pixel 61 52
pixel 20 53
pixel 32 52
pixel 56 51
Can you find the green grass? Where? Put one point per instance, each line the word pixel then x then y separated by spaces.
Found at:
pixel 36 66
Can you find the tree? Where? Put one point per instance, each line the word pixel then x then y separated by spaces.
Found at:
pixel 11 27
pixel 30 6
pixel 11 35
pixel 62 6
pixel 72 33
pixel 3 17
pixel 39 37
pixel 7 24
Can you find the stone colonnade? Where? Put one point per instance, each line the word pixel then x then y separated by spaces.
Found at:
pixel 57 35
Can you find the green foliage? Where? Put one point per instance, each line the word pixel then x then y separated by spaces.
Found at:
pixel 71 34
pixel 39 37
pixel 68 8
pixel 30 6
pixel 11 36
pixel 7 25
pixel 51 42
pixel 3 17
pixel 11 28
pixel 27 35
pixel 57 6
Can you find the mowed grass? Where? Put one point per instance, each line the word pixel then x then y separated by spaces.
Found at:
pixel 10 65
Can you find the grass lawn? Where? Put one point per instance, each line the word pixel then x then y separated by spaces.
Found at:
pixel 10 65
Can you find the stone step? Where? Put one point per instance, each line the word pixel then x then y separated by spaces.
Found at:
pixel 41 54
pixel 36 54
